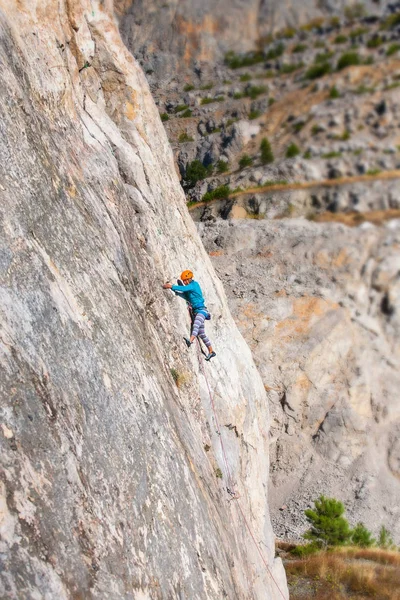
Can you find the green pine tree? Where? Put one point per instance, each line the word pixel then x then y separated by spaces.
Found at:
pixel 362 537
pixel 267 155
pixel 328 525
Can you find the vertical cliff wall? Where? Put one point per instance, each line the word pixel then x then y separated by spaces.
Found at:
pixel 109 486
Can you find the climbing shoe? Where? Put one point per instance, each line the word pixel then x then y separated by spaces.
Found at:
pixel 187 342
pixel 210 356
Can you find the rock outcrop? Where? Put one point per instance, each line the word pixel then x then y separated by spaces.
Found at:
pixel 111 484
pixel 319 305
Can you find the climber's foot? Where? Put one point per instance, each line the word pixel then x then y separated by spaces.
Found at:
pixel 210 356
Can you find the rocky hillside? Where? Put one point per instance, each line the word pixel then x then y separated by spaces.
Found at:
pixel 113 480
pixel 324 97
pixel 172 37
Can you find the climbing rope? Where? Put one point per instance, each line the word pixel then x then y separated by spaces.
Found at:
pixel 231 484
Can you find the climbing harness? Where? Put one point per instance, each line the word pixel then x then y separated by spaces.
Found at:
pixel 231 485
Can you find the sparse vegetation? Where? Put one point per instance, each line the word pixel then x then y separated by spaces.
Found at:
pixel 298 48
pixel 186 113
pixel 393 49
pixel 184 137
pixel 178 377
pixel 188 87
pixel 276 51
pixel 297 127
pixel 391 21
pixel 340 39
pixel 267 156
pixel 245 77
pixel 318 70
pixel 220 192
pixel 164 117
pixel 323 57
pixel 245 161
pixel 207 86
pixel 287 68
pixel 316 129
pixel 332 155
pixel 211 100
pixel 375 42
pixel 334 93
pixel 292 150
pixel 195 171
pixel 355 11
pixel 222 166
pixel 361 536
pixel 218 473
pixel 180 108
pixel 344 137
pixel 253 91
pixel 348 59
pixel 235 61
pixel 254 114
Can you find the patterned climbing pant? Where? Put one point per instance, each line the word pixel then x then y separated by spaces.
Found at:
pixel 198 329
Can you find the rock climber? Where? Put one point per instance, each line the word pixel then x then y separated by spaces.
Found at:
pixel 191 292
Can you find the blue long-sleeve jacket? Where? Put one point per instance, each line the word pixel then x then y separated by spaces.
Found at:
pixel 191 293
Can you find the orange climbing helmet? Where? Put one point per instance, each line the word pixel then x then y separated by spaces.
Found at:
pixel 186 275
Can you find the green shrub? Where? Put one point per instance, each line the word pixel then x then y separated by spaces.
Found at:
pixel 369 60
pixel 195 171
pixel 334 93
pixel 235 61
pixel 315 129
pixel 254 114
pixel 207 86
pixel 254 91
pixel 361 537
pixel 393 49
pixel 316 71
pixel 323 57
pixel 267 156
pixel 188 87
pixel 302 551
pixel 344 137
pixel 363 89
pixel 245 161
pixel 230 122
pixel 287 68
pixel 299 48
pixel 340 39
pixel 245 77
pixel 391 21
pixel 184 137
pixel 292 150
pixel 373 172
pixel 288 33
pixel 334 22
pixel 238 95
pixel 186 113
pixel 313 24
pixel 227 82
pixel 375 42
pixel 218 473
pixel 271 101
pixel 332 154
pixel 297 127
pixel 164 117
pixel 356 33
pixel 276 51
pixel 319 44
pixel 180 107
pixel 328 525
pixel 222 166
pixel 356 11
pixel 348 59
pixel 307 155
pixel 220 192
pixel 207 100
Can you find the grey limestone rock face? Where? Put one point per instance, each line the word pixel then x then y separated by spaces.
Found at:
pixel 319 305
pixel 110 482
